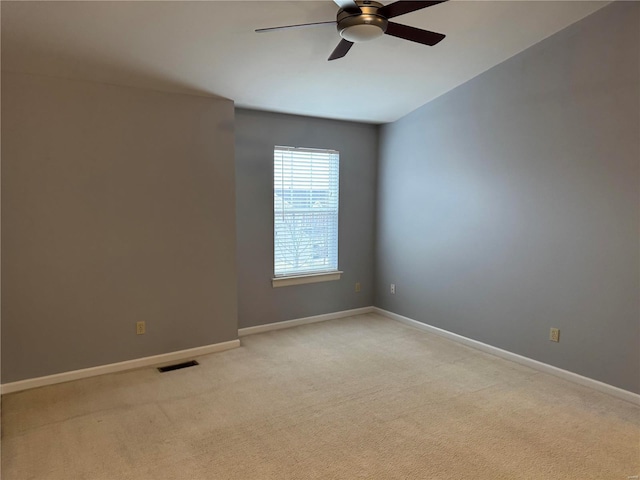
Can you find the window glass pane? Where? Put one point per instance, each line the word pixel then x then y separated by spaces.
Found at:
pixel 305 205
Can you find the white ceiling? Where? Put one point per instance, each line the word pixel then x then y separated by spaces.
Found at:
pixel 210 47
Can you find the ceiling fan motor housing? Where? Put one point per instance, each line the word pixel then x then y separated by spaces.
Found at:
pixel 360 27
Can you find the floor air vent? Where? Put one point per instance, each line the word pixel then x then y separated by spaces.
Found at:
pixel 178 366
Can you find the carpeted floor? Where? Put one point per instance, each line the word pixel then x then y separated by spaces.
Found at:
pixel 362 397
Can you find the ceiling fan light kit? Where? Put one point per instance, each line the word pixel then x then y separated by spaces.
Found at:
pixel 363 26
pixel 363 20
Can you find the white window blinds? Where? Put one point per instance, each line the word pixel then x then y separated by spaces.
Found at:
pixel 305 205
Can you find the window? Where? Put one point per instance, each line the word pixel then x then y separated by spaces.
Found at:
pixel 305 207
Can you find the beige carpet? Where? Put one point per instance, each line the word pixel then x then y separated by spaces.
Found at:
pixel 362 397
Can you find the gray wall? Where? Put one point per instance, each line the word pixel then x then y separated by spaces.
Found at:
pixel 256 135
pixel 511 204
pixel 117 206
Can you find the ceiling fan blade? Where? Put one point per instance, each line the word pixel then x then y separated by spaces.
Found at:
pixel 414 34
pixel 341 50
pixel 271 29
pixel 400 8
pixel 348 5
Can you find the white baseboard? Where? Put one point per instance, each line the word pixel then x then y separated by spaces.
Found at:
pixel 157 360
pixel 514 357
pixel 118 367
pixel 243 332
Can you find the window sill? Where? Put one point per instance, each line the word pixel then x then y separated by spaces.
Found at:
pixel 301 279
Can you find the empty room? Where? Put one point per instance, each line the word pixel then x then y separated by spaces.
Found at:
pixel 320 240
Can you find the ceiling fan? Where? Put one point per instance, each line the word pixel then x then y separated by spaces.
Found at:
pixel 363 20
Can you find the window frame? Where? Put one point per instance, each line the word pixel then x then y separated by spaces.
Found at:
pixel 295 278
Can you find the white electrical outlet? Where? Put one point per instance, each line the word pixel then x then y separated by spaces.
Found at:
pixel 357 286
pixel 393 289
pixel 141 328
pixel 554 335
